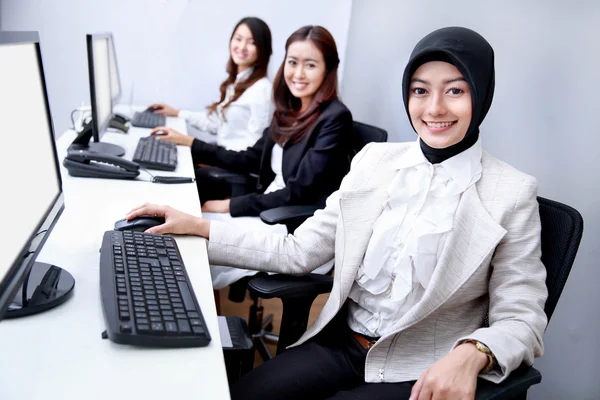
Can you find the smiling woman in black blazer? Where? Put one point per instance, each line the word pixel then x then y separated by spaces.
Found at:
pixel 300 159
pixel 312 168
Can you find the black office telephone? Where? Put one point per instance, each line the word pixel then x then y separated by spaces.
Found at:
pixel 121 118
pixel 119 122
pixel 86 164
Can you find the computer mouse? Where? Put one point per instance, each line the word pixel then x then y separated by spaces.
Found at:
pixel 152 109
pixel 160 133
pixel 139 224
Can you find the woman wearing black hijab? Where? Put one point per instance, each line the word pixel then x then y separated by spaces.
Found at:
pixel 428 237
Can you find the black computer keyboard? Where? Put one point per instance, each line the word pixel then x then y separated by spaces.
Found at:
pixel 146 294
pixel 156 154
pixel 147 119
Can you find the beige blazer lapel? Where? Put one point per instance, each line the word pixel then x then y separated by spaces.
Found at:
pixel 474 236
pixel 359 211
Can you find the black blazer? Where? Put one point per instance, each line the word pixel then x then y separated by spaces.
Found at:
pixel 312 168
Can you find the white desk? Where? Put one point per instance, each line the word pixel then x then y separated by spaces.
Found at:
pixel 59 354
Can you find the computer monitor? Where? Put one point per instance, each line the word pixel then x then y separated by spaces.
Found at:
pixel 32 198
pixel 98 54
pixel 115 78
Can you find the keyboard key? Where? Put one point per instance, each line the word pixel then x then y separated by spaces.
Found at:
pixel 186 295
pixel 184 326
pixel 170 327
pixel 198 330
pixel 157 327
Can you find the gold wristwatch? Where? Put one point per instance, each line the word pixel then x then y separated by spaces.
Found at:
pixel 485 350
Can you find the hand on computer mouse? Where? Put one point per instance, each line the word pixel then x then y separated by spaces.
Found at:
pixel 164 109
pixel 139 224
pixel 171 135
pixel 176 221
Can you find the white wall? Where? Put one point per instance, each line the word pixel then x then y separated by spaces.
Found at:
pixel 168 50
pixel 544 121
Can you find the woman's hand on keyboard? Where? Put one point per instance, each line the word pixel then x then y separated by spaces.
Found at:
pixel 176 221
pixel 164 109
pixel 171 135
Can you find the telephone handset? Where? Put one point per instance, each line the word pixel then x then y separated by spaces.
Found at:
pixel 87 164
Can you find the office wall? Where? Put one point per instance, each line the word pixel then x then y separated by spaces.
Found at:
pixel 168 50
pixel 543 121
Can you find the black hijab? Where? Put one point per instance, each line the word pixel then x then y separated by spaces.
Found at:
pixel 473 56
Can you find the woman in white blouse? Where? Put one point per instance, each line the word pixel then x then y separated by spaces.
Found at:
pixel 245 107
pixel 428 238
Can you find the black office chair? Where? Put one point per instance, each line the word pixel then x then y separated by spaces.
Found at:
pixel 240 184
pixel 260 326
pixel 562 228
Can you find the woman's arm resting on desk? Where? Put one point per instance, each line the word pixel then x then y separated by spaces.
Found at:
pixel 201 120
pixel 311 245
pixel 176 221
pixel 171 135
pixel 246 161
pixel 164 109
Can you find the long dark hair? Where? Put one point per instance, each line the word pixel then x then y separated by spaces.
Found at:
pixel 289 124
pixel 262 40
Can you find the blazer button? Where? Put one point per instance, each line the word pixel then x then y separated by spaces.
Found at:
pixel 259 186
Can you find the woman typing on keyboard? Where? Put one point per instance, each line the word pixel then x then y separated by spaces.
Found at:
pixel 428 238
pixel 300 159
pixel 244 109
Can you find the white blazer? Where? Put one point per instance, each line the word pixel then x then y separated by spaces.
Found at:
pixel 490 263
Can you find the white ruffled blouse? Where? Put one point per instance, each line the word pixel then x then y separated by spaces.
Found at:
pixel 244 120
pixel 408 237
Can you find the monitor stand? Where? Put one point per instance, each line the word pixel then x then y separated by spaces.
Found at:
pixel 106 148
pixel 83 142
pixel 44 287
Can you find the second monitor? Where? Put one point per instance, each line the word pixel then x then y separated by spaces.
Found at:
pixel 99 67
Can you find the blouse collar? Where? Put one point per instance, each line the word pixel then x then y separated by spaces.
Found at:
pixel 245 74
pixel 464 168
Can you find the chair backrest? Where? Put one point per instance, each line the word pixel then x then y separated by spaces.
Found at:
pixel 364 133
pixel 562 228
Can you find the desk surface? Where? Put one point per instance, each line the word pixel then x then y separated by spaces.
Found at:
pixel 59 354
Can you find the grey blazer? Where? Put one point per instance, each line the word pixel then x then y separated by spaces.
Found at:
pixel 490 263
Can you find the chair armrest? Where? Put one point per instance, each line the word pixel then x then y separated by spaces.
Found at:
pixel 285 214
pixel 286 286
pixel 516 384
pixel 228 176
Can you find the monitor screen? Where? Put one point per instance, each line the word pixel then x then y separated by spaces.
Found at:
pixel 31 198
pixel 115 81
pixel 100 87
